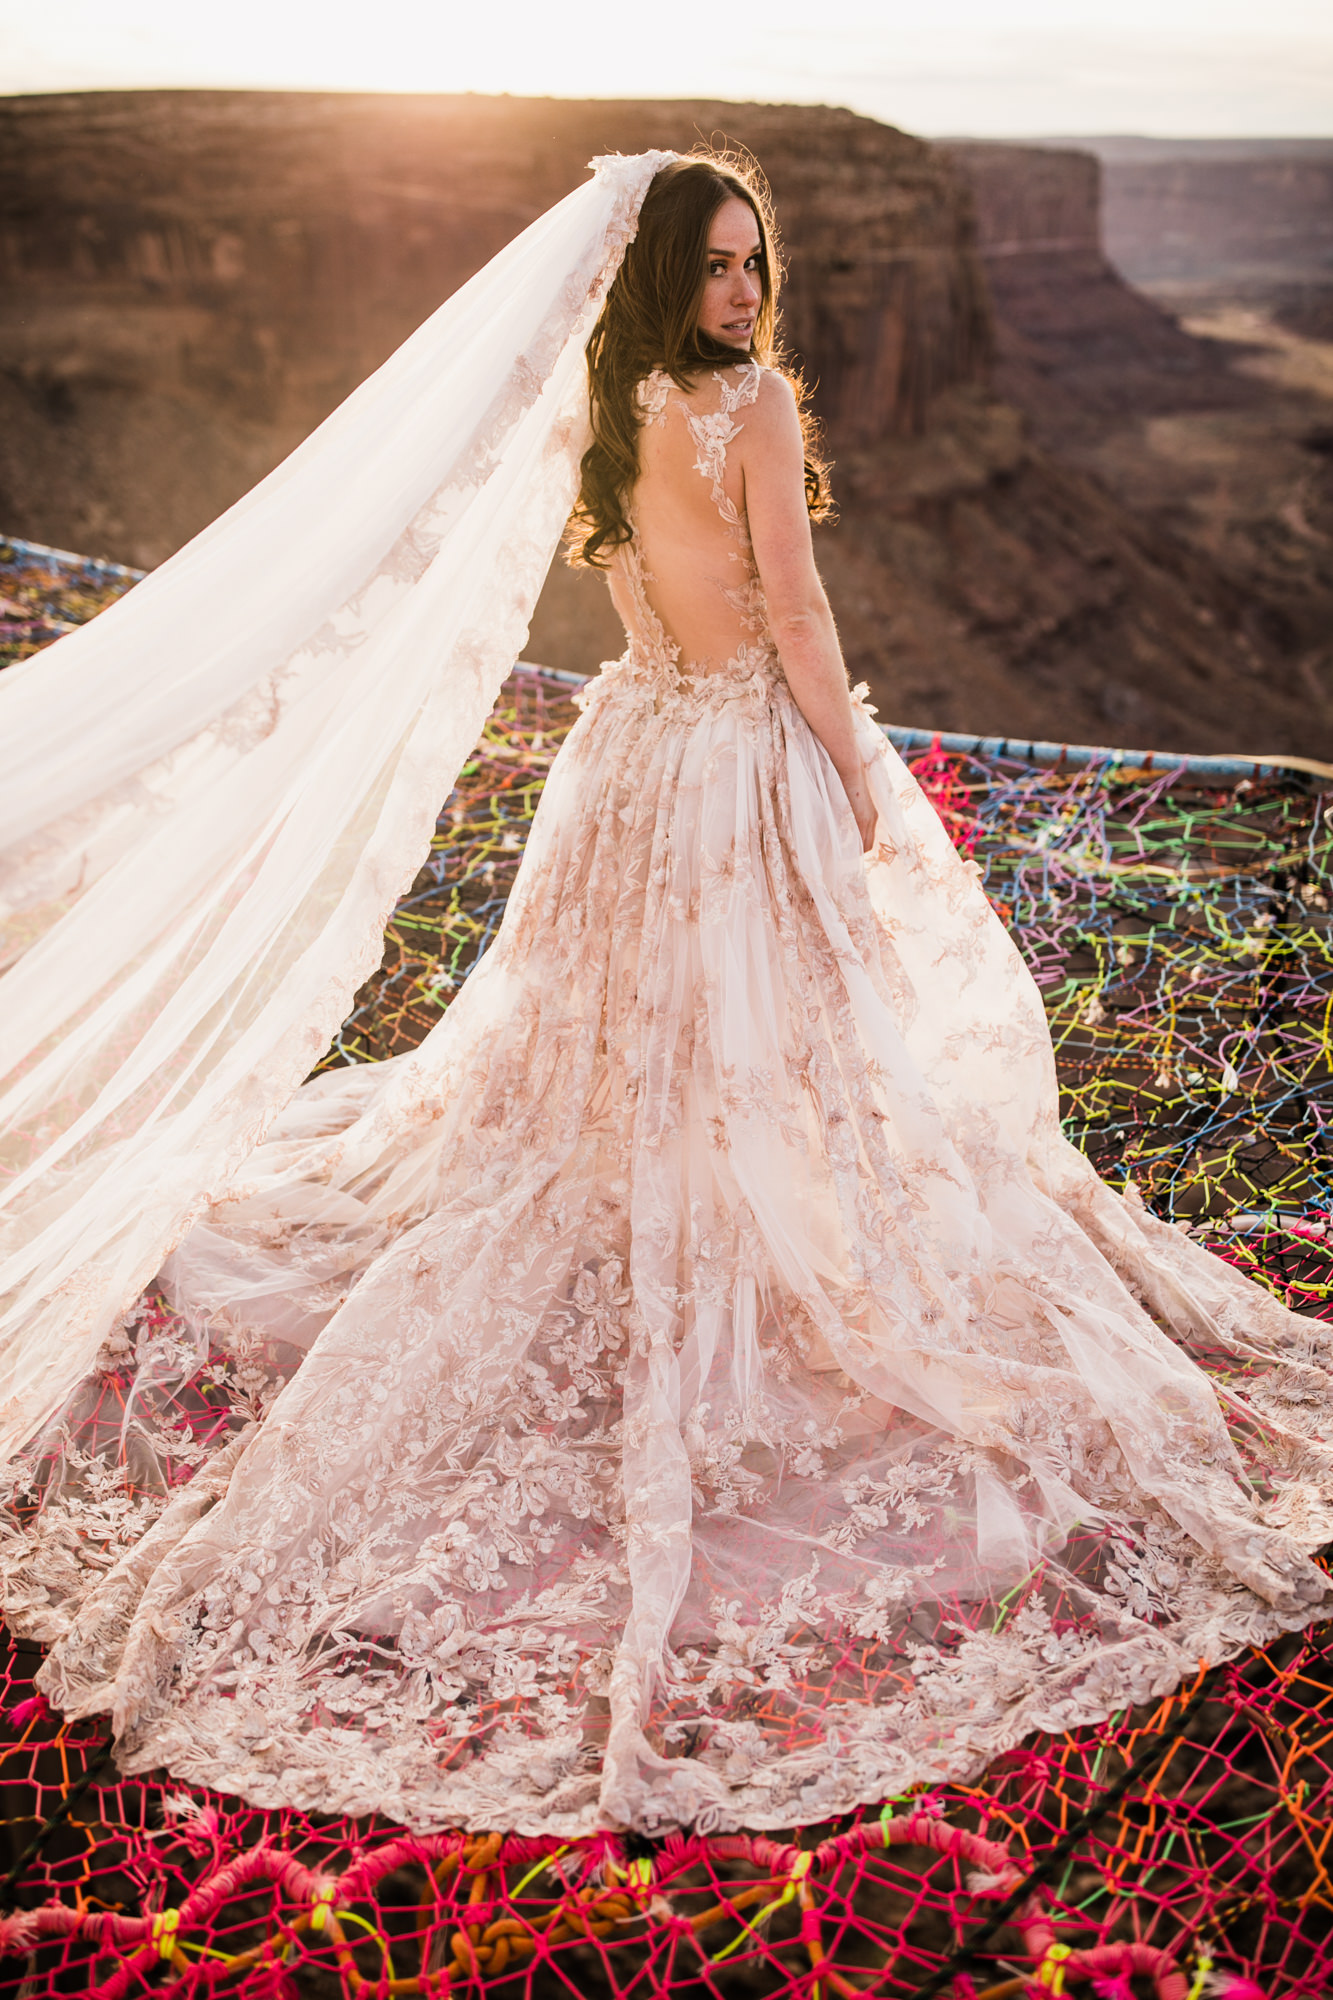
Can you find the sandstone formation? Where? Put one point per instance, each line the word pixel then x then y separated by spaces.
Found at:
pixel 1195 219
pixel 193 279
pixel 1253 213
pixel 1075 339
pixel 1215 449
pixel 190 280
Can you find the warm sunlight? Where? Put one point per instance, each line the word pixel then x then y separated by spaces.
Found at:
pixel 1182 67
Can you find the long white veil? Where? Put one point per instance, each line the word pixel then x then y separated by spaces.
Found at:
pixel 212 795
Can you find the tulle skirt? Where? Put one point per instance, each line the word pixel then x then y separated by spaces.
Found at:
pixel 699 1384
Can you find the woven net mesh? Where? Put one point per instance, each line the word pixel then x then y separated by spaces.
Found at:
pixel 1181 932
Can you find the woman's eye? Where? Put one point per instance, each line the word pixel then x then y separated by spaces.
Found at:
pixel 716 270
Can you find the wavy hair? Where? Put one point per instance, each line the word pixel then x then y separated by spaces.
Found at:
pixel 650 320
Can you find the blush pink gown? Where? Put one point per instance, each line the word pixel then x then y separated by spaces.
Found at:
pixel 699 1384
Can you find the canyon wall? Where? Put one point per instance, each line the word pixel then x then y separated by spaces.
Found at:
pixel 1074 341
pixel 189 281
pixel 1032 200
pixel 1210 435
pixel 192 280
pixel 1232 213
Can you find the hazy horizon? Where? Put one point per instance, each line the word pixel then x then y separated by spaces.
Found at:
pixel 1150 142
pixel 1162 69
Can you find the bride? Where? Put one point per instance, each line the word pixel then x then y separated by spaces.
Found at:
pixel 699 1385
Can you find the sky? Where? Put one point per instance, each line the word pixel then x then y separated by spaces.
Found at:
pixel 996 68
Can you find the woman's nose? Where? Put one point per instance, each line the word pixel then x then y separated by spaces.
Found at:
pixel 746 289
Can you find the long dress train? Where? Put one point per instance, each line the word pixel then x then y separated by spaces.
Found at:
pixel 699 1383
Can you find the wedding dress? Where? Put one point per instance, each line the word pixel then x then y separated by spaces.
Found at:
pixel 699 1384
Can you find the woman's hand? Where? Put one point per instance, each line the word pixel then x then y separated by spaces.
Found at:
pixel 855 784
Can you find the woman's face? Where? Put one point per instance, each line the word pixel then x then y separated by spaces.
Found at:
pixel 733 287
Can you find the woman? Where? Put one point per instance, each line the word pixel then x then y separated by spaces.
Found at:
pixel 715 1392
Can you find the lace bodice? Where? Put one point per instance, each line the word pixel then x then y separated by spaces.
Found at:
pixel 686 586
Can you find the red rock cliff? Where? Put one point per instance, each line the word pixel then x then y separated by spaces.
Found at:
pixel 1251 213
pixel 194 279
pixel 190 280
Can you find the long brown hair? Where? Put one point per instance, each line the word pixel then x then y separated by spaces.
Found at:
pixel 650 320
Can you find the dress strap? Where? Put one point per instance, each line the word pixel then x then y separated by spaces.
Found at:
pixel 652 395
pixel 712 434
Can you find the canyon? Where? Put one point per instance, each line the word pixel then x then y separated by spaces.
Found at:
pixel 190 280
pixel 1219 214
pixel 1193 404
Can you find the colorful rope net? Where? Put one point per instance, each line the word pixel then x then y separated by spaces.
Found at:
pixel 1181 932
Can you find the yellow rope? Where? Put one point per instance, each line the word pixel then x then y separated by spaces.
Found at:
pixel 800 1869
pixel 1051 1971
pixel 165 1926
pixel 1200 1979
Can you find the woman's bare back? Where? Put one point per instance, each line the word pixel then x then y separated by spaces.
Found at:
pixel 687 588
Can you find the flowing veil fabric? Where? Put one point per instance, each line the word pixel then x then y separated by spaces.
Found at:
pixel 211 796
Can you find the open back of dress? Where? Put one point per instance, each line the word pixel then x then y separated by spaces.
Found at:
pixel 686 586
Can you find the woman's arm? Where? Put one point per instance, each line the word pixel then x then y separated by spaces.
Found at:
pixel 772 457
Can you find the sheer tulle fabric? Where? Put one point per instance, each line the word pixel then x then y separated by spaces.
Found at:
pixel 211 795
pixel 714 1390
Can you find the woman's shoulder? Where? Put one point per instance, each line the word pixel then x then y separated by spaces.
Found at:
pixel 749 385
pixel 748 391
pixel 771 410
pixel 773 392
